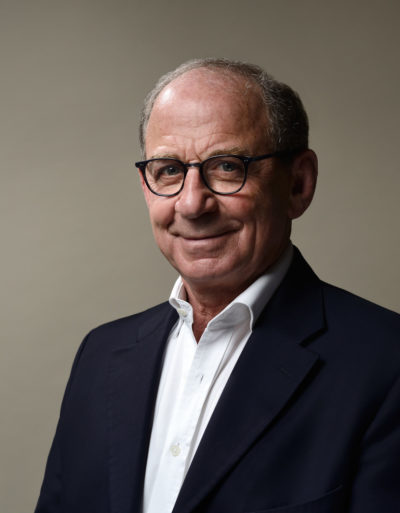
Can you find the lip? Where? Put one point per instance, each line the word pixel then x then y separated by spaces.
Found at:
pixel 197 238
pixel 207 244
pixel 204 237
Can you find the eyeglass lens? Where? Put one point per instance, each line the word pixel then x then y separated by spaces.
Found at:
pixel 224 174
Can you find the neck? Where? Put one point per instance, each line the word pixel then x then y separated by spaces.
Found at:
pixel 207 303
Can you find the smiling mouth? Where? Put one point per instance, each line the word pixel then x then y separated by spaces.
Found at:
pixel 204 237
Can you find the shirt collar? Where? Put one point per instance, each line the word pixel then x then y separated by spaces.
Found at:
pixel 249 304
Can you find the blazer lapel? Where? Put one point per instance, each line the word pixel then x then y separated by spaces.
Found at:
pixel 268 373
pixel 134 374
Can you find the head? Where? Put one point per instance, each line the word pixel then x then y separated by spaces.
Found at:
pixel 221 243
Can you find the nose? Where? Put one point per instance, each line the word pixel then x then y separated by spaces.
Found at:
pixel 195 199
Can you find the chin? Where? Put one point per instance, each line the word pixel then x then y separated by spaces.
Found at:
pixel 207 271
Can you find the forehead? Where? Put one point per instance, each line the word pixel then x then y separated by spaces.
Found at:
pixel 202 102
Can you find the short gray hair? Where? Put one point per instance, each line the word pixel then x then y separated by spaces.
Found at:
pixel 288 122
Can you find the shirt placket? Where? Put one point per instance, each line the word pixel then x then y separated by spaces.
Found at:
pixel 201 376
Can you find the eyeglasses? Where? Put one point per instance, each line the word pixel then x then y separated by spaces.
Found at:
pixel 222 174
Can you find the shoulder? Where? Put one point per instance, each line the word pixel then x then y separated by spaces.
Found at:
pixel 125 331
pixel 361 339
pixel 342 309
pixel 153 314
pixel 352 310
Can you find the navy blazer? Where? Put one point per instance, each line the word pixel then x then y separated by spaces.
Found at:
pixel 309 421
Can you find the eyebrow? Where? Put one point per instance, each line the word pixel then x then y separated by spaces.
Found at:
pixel 235 150
pixel 164 156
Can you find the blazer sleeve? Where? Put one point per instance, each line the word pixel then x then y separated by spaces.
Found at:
pixel 51 490
pixel 377 482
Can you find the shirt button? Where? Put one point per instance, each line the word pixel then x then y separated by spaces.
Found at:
pixel 175 450
pixel 182 312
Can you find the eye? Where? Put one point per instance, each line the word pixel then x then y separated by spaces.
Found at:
pixel 165 170
pixel 169 170
pixel 228 166
pixel 225 167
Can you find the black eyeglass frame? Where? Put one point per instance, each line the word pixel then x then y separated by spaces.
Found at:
pixel 141 165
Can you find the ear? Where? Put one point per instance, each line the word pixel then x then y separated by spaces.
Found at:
pixel 304 171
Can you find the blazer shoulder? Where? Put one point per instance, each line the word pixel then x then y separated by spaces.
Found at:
pixel 124 331
pixel 339 299
pixel 155 312
pixel 362 320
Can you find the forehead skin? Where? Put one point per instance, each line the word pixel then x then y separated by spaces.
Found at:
pixel 213 103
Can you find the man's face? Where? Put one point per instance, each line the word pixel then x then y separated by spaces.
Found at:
pixel 217 242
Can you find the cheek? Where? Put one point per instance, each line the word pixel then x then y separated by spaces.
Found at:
pixel 160 209
pixel 267 219
pixel 161 212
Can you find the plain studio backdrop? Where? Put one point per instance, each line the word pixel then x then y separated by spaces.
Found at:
pixel 76 244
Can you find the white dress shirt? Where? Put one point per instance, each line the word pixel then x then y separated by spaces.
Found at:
pixel 192 380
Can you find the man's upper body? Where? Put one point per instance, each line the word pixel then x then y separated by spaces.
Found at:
pixel 258 387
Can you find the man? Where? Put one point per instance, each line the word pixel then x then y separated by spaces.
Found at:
pixel 258 387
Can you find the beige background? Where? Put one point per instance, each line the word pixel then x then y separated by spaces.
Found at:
pixel 76 248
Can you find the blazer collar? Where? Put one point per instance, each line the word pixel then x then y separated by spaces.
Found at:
pixel 268 373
